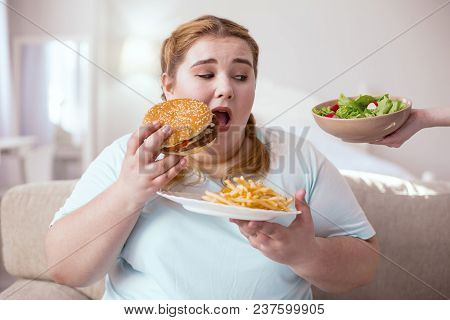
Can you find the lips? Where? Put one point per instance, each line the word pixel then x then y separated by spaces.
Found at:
pixel 224 116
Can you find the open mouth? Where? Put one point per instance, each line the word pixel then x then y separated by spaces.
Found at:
pixel 223 116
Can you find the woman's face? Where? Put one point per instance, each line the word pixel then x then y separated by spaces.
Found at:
pixel 219 72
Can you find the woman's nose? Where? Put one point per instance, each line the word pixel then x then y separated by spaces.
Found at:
pixel 224 89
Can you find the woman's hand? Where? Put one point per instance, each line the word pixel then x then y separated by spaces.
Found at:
pixel 141 175
pixel 415 122
pixel 295 245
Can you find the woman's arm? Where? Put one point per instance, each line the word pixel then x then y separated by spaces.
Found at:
pixel 82 246
pixel 341 263
pixel 332 264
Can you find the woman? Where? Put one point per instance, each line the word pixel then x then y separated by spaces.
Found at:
pixel 418 119
pixel 149 248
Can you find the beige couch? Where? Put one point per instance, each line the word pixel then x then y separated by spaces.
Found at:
pixel 412 221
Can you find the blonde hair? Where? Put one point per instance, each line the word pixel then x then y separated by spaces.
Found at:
pixel 255 160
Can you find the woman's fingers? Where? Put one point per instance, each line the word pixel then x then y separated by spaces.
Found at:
pixel 242 224
pixel 167 176
pixel 159 167
pixel 261 241
pixel 138 137
pixel 151 147
pixel 274 231
pixel 257 238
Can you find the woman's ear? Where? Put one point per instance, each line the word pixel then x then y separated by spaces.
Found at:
pixel 167 85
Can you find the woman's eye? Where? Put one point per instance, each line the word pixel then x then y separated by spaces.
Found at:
pixel 240 77
pixel 206 76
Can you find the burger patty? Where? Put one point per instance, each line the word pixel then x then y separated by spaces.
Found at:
pixel 205 137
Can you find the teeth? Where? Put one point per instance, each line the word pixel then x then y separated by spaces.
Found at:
pixel 221 111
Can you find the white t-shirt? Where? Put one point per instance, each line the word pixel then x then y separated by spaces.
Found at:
pixel 177 254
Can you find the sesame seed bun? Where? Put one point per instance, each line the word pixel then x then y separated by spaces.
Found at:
pixel 186 117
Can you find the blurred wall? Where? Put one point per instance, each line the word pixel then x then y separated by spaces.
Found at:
pixel 304 44
pixel 41 21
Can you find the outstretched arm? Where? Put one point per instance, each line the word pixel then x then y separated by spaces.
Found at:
pixel 417 120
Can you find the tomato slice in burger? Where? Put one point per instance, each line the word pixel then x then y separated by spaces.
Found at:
pixel 178 146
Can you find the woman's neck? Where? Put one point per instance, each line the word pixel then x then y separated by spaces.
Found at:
pixel 216 165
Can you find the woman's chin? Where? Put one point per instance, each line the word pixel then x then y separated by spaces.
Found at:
pixel 224 144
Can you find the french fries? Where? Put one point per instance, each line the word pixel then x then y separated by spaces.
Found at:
pixel 250 194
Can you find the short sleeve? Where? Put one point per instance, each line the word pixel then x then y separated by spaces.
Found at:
pixel 100 174
pixel 334 208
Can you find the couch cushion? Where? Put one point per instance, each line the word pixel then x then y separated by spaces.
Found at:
pixel 412 221
pixel 24 289
pixel 26 212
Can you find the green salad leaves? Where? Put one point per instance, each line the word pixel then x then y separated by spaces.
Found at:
pixel 362 107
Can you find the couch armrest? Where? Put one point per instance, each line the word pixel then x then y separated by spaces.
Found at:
pixel 26 212
pixel 24 289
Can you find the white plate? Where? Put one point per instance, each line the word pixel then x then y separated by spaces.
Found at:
pixel 194 202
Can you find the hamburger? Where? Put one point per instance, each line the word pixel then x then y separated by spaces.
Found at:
pixel 194 126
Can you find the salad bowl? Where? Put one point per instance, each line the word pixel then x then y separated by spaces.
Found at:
pixel 368 126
